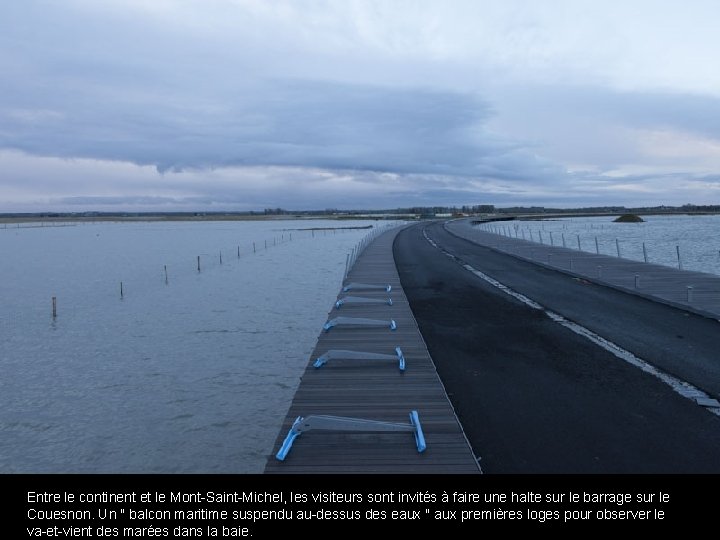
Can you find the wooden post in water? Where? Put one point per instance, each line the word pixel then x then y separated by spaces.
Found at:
pixel 578 237
pixel 166 278
pixel 238 252
pixel 677 249
pixel 597 247
pixel 54 307
pixel 221 257
pixel 644 252
pixel 617 246
pixel 253 247
pixel 198 259
pixel 121 290
pixel 265 244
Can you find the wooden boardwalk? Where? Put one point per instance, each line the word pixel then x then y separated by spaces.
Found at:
pixel 696 292
pixel 374 389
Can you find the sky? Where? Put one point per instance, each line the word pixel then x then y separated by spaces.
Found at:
pixel 237 105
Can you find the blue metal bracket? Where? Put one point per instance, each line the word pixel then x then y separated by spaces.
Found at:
pixel 341 423
pixel 336 354
pixel 362 300
pixel 366 286
pixel 358 322
pixel 419 435
pixel 289 439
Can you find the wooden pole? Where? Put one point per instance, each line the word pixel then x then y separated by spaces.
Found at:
pixel 54 307
pixel 166 278
pixel 198 259
pixel 121 290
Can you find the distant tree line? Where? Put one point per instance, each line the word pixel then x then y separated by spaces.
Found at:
pixel 424 211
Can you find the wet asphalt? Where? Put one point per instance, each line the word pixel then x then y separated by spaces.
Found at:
pixel 535 397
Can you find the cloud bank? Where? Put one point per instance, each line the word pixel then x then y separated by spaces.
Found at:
pixel 238 105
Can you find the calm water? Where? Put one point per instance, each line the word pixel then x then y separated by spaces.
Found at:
pixel 192 375
pixel 696 238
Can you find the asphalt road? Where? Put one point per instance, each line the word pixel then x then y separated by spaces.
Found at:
pixel 535 397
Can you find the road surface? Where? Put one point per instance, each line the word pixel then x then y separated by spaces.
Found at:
pixel 534 396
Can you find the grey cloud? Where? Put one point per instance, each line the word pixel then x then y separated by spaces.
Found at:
pixel 116 201
pixel 289 123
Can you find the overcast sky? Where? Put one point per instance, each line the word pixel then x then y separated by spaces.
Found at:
pixel 241 105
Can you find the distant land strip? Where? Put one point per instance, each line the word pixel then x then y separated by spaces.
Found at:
pixel 484 212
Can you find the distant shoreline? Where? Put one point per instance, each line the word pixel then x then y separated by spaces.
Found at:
pixel 498 215
pixel 187 217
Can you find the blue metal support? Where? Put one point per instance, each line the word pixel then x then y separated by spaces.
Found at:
pixel 361 300
pixel 342 423
pixel 337 354
pixel 358 322
pixel 366 286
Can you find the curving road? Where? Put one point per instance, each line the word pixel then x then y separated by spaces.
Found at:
pixel 533 396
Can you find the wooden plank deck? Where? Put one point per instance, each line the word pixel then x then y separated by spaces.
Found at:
pixel 375 389
pixel 655 282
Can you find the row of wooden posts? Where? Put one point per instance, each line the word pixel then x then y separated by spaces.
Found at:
pixel 165 269
pixel 505 231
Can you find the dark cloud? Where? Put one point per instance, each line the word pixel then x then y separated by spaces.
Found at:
pixel 350 116
pixel 289 123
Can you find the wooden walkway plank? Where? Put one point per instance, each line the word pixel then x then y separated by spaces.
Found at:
pixel 374 389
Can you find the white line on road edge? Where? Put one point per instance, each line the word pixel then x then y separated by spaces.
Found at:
pixel 684 388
